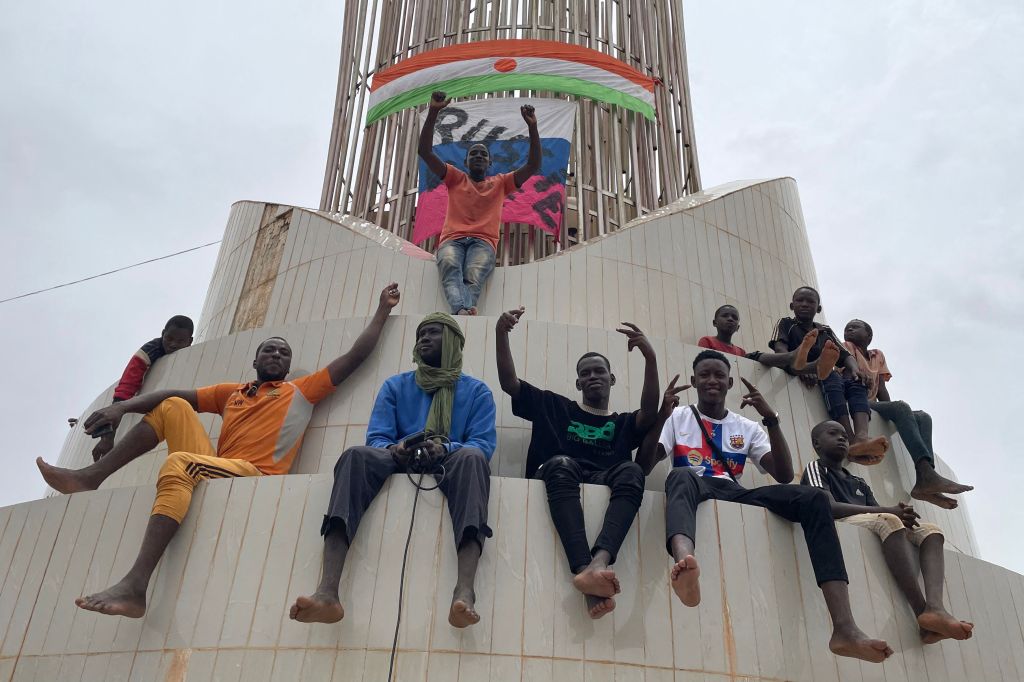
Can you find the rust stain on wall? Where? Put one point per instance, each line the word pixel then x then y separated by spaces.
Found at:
pixel 179 666
pixel 261 275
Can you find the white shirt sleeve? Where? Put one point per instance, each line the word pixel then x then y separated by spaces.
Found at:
pixel 759 446
pixel 668 433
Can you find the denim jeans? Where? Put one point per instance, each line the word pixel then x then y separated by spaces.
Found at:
pixel 914 427
pixel 839 392
pixel 464 265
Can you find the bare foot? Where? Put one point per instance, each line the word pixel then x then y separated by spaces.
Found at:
pixel 929 481
pixel 686 580
pixel 320 607
pixel 598 607
pixel 827 360
pixel 471 311
pixel 64 480
pixel 868 451
pixel 938 499
pixel 931 637
pixel 119 600
pixel 853 643
pixel 599 582
pixel 800 360
pixel 945 624
pixel 462 614
pixel 463 311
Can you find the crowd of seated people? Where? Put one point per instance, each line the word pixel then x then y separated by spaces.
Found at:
pixel 438 414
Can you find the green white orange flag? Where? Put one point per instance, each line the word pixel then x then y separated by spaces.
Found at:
pixel 495 65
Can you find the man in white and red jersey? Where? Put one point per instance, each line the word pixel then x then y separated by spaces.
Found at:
pixel 710 447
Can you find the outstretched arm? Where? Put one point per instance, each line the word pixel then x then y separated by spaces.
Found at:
pixel 506 365
pixel 651 450
pixel 649 396
pixel 905 512
pixel 438 101
pixel 340 368
pixel 532 164
pixel 141 404
pixel 778 462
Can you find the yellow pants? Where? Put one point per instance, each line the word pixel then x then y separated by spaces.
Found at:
pixel 191 457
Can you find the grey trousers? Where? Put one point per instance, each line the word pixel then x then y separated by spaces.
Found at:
pixel 914 427
pixel 361 471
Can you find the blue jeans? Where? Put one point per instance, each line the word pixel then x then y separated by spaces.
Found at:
pixel 464 264
pixel 839 391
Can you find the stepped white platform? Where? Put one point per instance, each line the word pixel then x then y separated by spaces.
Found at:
pixel 218 605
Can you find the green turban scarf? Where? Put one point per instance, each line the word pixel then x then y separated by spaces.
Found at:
pixel 440 381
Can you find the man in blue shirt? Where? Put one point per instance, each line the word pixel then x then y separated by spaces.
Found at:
pixel 458 412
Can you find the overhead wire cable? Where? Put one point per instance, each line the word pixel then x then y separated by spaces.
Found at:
pixel 109 272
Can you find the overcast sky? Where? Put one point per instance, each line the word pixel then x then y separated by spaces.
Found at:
pixel 127 130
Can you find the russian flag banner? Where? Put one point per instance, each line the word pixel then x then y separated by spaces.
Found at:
pixel 498 124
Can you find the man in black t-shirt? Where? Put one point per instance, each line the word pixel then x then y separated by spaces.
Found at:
pixel 583 442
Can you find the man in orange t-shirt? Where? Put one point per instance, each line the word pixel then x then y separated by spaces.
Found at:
pixel 469 239
pixel 264 421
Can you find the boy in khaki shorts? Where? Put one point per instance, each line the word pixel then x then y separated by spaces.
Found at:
pixel 897 527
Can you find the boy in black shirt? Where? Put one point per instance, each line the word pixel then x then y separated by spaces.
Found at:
pixel 897 527
pixel 574 443
pixel 808 348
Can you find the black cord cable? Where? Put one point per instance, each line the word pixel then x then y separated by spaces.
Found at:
pixel 109 272
pixel 439 472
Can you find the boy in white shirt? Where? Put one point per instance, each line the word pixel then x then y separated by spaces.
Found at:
pixel 710 446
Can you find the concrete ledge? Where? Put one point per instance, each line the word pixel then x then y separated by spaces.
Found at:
pixel 218 603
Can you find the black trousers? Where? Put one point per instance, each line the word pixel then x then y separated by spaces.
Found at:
pixel 360 474
pixel 562 477
pixel 798 503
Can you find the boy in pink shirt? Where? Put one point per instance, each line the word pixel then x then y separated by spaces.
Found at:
pixel 914 426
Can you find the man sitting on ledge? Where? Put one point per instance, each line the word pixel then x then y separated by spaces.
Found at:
pixel 264 421
pixel 710 447
pixel 585 442
pixel 468 244
pixel 459 411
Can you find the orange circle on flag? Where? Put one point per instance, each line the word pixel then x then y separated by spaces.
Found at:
pixel 505 65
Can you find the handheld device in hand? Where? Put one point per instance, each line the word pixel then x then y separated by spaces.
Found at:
pixel 106 430
pixel 420 459
pixel 415 439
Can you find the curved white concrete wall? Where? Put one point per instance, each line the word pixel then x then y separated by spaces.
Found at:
pixel 248 546
pixel 219 600
pixel 743 244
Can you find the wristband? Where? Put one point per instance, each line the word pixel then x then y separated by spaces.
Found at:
pixel 770 421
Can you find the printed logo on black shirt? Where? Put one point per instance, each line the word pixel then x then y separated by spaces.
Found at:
pixel 589 435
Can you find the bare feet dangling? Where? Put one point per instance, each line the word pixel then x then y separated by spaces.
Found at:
pixel 598 582
pixel 869 451
pixel 930 482
pixel 853 643
pixel 319 607
pixel 598 607
pixel 800 360
pixel 120 600
pixel 945 624
pixel 462 613
pixel 685 576
pixel 827 360
pixel 64 480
